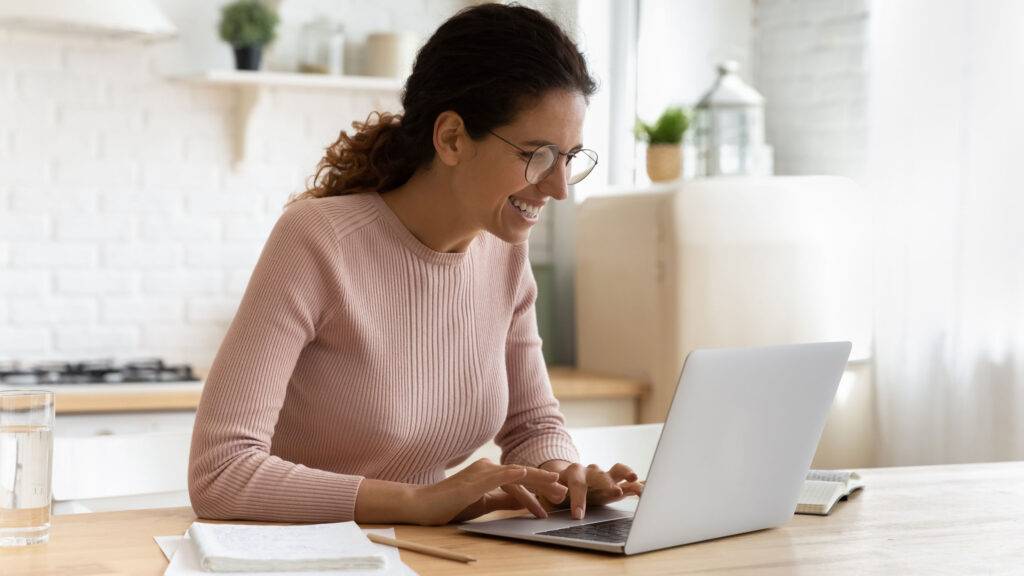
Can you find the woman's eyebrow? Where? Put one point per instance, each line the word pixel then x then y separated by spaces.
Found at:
pixel 546 143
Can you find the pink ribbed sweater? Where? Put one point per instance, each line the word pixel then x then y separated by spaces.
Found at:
pixel 357 351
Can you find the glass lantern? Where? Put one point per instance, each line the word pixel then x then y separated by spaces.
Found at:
pixel 729 128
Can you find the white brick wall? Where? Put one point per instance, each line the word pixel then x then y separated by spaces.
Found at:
pixel 810 60
pixel 124 229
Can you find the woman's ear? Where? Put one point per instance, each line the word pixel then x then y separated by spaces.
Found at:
pixel 451 142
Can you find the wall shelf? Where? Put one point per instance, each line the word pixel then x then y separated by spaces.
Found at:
pixel 247 78
pixel 252 95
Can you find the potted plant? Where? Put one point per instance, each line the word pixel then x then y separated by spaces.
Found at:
pixel 664 143
pixel 248 25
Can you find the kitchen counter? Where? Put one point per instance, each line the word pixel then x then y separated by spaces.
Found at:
pixel 93 398
pixel 568 384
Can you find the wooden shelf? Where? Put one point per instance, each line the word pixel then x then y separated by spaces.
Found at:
pixel 251 90
pixel 291 80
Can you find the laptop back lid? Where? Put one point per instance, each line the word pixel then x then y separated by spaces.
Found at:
pixel 738 440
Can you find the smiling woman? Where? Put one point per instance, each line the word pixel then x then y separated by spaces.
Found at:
pixel 389 327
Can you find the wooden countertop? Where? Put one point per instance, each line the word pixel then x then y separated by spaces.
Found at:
pixel 86 401
pixel 966 519
pixel 567 383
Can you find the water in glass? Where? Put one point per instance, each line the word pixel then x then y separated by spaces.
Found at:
pixel 26 459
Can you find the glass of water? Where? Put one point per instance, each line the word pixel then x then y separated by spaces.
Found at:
pixel 26 457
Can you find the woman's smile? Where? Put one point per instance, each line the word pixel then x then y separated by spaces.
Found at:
pixel 527 211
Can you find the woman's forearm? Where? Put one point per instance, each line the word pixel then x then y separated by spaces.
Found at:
pixel 384 502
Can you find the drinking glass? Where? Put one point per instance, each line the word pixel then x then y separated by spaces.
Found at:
pixel 26 459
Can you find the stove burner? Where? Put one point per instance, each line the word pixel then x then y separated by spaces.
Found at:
pixel 95 372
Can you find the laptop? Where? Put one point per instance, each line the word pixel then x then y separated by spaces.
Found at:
pixel 732 456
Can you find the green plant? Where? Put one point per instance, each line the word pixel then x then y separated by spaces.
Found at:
pixel 247 23
pixel 669 128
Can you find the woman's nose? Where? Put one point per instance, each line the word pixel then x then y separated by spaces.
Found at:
pixel 555 183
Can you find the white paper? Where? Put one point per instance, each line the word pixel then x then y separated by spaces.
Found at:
pixel 841 476
pixel 187 563
pixel 169 544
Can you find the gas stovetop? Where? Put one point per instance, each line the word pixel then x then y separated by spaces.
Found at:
pixel 144 371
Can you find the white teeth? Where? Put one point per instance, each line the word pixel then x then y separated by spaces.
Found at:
pixel 531 211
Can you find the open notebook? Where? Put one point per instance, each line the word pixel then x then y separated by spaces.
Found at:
pixel 823 488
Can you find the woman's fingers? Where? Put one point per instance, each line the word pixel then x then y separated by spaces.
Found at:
pixel 526 487
pixel 494 500
pixel 632 488
pixel 497 478
pixel 536 480
pixel 525 499
pixel 575 478
pixel 620 472
pixel 545 484
pixel 598 479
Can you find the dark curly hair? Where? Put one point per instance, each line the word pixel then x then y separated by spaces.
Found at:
pixel 486 63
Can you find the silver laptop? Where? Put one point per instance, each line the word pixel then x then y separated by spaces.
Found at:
pixel 732 456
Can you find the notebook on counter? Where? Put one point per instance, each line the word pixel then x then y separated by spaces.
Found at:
pixel 310 550
pixel 823 488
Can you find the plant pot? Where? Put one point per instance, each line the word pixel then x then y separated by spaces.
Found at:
pixel 248 57
pixel 664 162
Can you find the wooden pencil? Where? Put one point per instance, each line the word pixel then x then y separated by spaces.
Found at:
pixel 421 548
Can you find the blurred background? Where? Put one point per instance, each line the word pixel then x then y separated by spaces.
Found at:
pixel 844 171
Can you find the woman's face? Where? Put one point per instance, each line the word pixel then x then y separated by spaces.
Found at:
pixel 495 177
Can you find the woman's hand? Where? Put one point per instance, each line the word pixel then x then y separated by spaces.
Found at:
pixel 590 484
pixel 484 487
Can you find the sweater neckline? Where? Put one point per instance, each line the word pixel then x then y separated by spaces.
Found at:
pixel 410 241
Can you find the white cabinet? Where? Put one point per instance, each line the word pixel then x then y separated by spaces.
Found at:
pixel 121 461
pixel 118 424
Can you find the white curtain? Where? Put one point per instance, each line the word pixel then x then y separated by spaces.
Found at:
pixel 946 166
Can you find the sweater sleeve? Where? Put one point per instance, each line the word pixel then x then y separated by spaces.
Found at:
pixel 534 429
pixel 232 474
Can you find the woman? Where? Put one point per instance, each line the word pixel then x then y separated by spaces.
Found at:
pixel 388 329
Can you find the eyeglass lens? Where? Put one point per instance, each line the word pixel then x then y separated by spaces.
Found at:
pixel 543 162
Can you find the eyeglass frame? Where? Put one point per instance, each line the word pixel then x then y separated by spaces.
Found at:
pixel 533 153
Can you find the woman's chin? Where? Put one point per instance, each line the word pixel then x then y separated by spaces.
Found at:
pixel 512 236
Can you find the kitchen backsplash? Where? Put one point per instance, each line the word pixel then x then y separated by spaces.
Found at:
pixel 125 231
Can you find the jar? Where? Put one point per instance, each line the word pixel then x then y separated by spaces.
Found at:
pixel 322 47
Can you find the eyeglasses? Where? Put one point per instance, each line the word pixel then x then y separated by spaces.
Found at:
pixel 541 162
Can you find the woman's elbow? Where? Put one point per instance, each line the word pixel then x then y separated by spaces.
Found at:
pixel 207 502
pixel 209 492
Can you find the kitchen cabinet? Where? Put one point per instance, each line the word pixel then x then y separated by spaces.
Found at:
pixel 121 461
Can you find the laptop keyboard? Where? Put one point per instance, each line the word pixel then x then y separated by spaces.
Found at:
pixel 607 531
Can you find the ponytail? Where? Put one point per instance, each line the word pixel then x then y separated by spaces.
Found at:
pixel 377 156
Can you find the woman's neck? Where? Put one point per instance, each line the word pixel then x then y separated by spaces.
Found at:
pixel 429 209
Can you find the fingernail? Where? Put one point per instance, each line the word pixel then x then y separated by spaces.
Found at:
pixel 577 513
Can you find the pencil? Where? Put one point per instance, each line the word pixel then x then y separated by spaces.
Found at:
pixel 421 548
